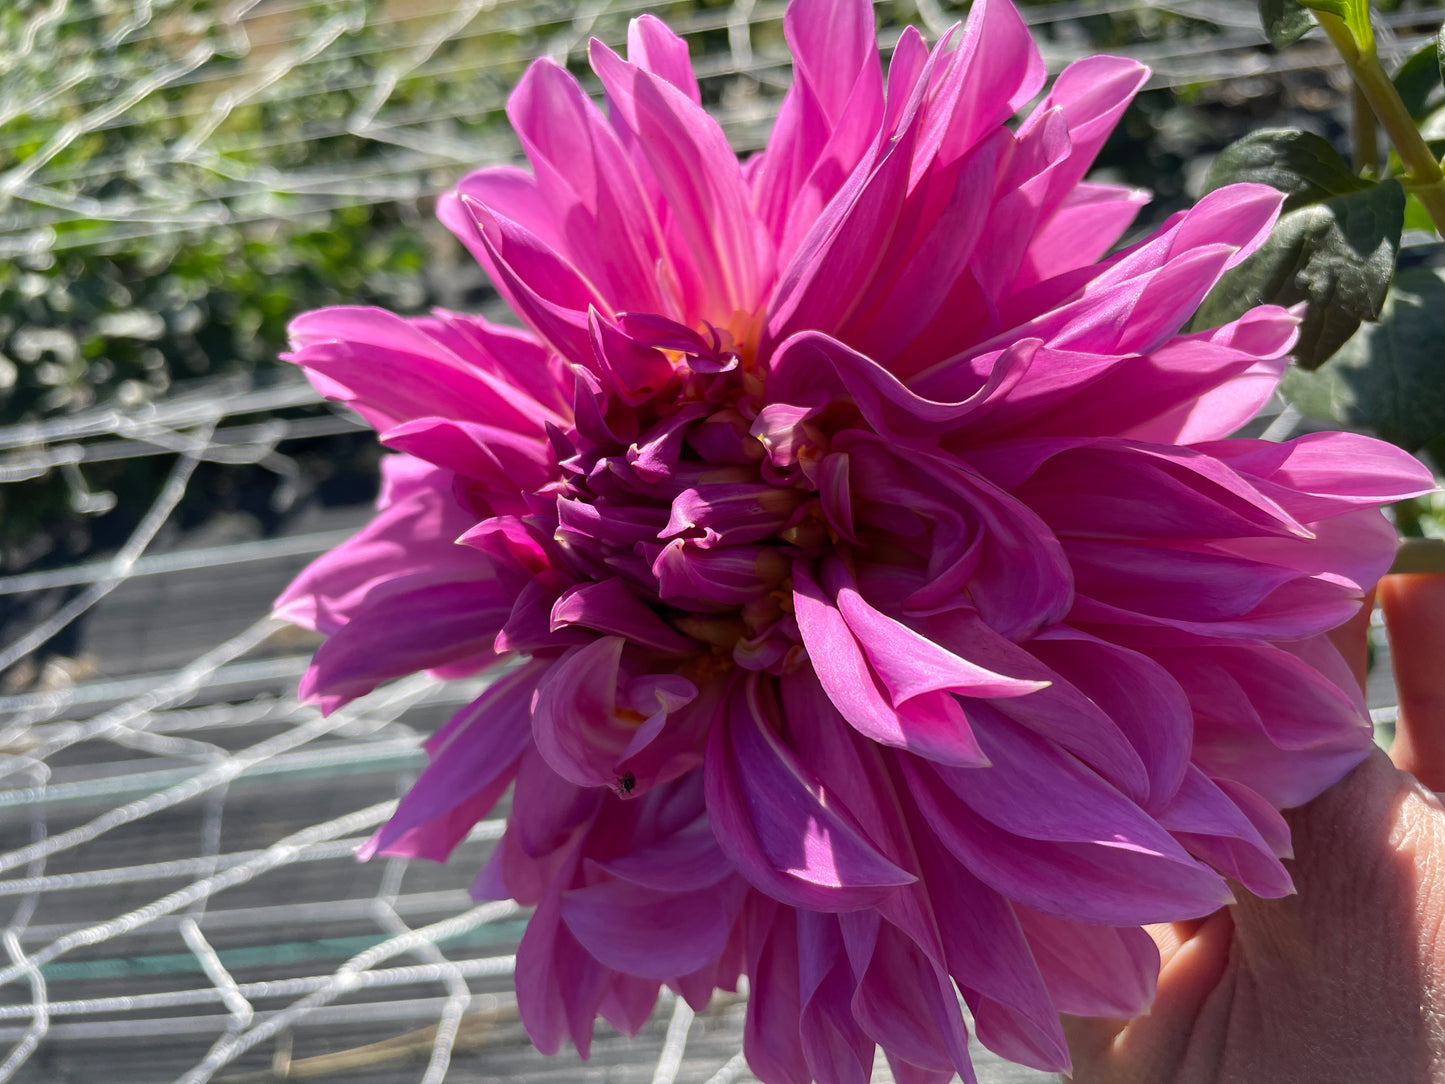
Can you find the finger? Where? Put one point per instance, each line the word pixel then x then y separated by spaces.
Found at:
pixel 1414 608
pixel 1089 1037
pixel 1151 1048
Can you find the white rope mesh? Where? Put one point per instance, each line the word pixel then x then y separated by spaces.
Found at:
pixel 177 889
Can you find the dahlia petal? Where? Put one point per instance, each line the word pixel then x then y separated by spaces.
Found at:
pixel 1327 474
pixel 1016 1036
pixel 1210 826
pixel 731 514
pixel 500 459
pixel 412 535
pixel 1196 387
pixel 1091 218
pixel 931 725
pixel 827 120
pixel 908 1006
pixel 513 355
pixel 908 663
pixel 1092 970
pixel 559 984
pixel 1083 808
pixel 435 839
pixel 406 624
pixel 581 724
pixel 851 768
pixel 1221 410
pixel 543 823
pixel 656 459
pixel 403 477
pixel 809 362
pixel 1090 882
pixel 905 319
pixel 1012 567
pixel 686 861
pixel 628 1002
pixel 1239 216
pixel 995 69
pixel 1110 488
pixel 728 576
pixel 835 1046
pixel 653 47
pixel 990 960
pixel 1267 719
pixel 589 186
pixel 698 177
pixel 1092 95
pixel 905 1072
pixel 528 630
pixel 771 1039
pixel 906 66
pixel 516 195
pixel 1137 693
pixel 1179 263
pixel 1273 829
pixel 609 607
pixel 615 526
pixel 638 372
pixel 392 370
pixel 540 286
pixel 1141 314
pixel 1059 713
pixel 775 822
pixel 511 543
pixel 1353 550
pixel 649 933
pixel 831 43
pixel 467 773
pixel 842 250
pixel 1208 592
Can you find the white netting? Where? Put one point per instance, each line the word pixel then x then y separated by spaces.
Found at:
pixel 177 886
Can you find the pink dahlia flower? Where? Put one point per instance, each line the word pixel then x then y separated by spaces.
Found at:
pixel 878 607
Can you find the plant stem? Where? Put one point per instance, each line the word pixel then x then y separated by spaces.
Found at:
pixel 1366 133
pixel 1423 176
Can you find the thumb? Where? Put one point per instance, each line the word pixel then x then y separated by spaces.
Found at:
pixel 1414 608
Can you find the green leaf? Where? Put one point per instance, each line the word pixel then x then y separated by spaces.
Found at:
pixel 1302 165
pixel 1419 82
pixel 1284 21
pixel 1337 255
pixel 1391 376
pixel 1416 217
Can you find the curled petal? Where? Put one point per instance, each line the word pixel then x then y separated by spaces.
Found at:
pixel 774 820
pixel 472 761
pixel 651 933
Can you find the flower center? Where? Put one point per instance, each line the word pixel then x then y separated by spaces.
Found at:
pixel 701 498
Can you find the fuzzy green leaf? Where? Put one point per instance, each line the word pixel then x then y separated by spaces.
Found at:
pixel 1440 51
pixel 1284 21
pixel 1302 165
pixel 1337 255
pixel 1419 82
pixel 1391 376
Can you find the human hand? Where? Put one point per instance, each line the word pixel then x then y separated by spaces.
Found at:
pixel 1345 981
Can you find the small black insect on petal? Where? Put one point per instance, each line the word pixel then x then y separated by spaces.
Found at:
pixel 627 784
